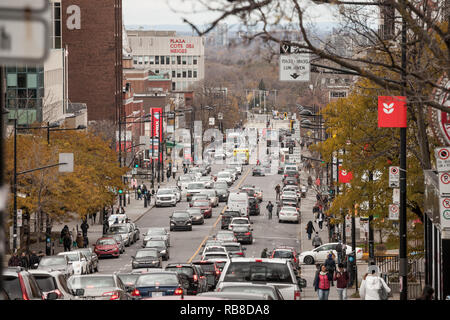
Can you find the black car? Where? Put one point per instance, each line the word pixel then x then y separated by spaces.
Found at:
pixel 227 216
pixel 146 258
pixel 290 181
pixel 211 272
pixel 234 249
pixel 222 194
pixel 253 206
pixel 197 279
pixel 180 220
pixel 161 246
pixel 258 171
pixel 19 284
pixel 196 215
pixel 243 234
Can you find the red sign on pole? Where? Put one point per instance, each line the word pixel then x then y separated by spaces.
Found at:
pixel 156 125
pixel 392 112
pixel 345 176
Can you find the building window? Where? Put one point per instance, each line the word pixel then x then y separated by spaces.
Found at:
pixel 156 59
pixel 32 80
pixel 135 60
pixel 195 59
pixel 189 73
pixel 195 73
pixel 178 74
pixel 173 74
pixel 338 94
pixel 178 59
pixel 157 71
pixel 152 59
pixel 184 74
pixel 167 59
pixel 174 60
pixel 146 58
pixel 56 32
pixel 11 80
pixel 189 60
pixel 163 60
pixel 184 59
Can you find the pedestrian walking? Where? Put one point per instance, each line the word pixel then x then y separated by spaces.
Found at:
pixel 269 208
pixel 316 241
pixel 322 283
pixel 79 240
pixel 277 191
pixel 34 260
pixel 339 251
pixel 373 286
pixel 264 253
pixel 14 261
pixel 64 230
pixel 310 182
pixel 330 264
pixel 24 262
pixel 67 241
pixel 341 277
pixel 94 216
pixel 427 293
pixel 174 171
pixel 168 174
pixel 139 193
pixel 310 229
pixel 320 218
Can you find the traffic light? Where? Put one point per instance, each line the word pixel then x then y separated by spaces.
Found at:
pixel 136 163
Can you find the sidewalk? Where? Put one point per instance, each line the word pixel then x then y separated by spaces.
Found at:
pixel 134 209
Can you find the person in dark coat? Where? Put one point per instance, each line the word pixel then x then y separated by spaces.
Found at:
pixel 63 232
pixel 24 262
pixel 264 253
pixel 310 229
pixel 330 264
pixel 67 241
pixel 34 259
pixel 84 228
pixel 14 261
pixel 269 208
pixel 427 293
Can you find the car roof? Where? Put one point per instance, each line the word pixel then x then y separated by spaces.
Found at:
pixel 270 260
pixel 234 295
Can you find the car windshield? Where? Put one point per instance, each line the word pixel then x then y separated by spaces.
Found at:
pixel 52 261
pixel 157 279
pixel 166 191
pixel 196 186
pixel 258 271
pixel 220 185
pixel 215 255
pixel 283 254
pixel 189 271
pixel 215 249
pixel 194 212
pixel 207 267
pixel 147 253
pixel 104 242
pixel 118 229
pixel 185 178
pixel 223 175
pixel 231 248
pixel 45 282
pixel 156 232
pixel 72 256
pixel 239 221
pixel 12 287
pixel 90 282
pixel 155 243
pixel 128 279
pixel 201 203
pixel 241 229
pixel 290 193
pixel 183 214
pixel 289 209
pixel 250 289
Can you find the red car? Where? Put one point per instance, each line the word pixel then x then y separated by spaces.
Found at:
pixel 106 246
pixel 205 207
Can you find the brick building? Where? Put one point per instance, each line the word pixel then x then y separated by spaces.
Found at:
pixel 92 35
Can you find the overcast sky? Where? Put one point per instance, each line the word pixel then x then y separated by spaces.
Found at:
pixel 158 12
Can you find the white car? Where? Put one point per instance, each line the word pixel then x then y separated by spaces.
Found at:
pixel 209 249
pixel 216 256
pixel 290 214
pixel 225 176
pixel 296 189
pixel 78 260
pixel 122 218
pixel 289 195
pixel 176 191
pixel 208 180
pixel 241 221
pixel 165 197
pixel 320 254
pixel 212 196
pixel 193 188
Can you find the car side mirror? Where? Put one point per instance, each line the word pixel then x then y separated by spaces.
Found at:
pixel 52 296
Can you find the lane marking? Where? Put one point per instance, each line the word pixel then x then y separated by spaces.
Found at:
pixel 218 218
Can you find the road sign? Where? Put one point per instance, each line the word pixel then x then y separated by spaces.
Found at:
pixel 22 5
pixel 294 66
pixel 19 217
pixel 396 196
pixel 394 177
pixel 220 116
pixel 442 158
pixel 211 121
pixel 393 211
pixel 444 183
pixel 66 158
pixel 444 212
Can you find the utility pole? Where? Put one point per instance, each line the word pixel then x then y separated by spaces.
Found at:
pixel 2 169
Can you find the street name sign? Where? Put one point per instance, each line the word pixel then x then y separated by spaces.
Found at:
pixel 294 63
pixel 442 159
pixel 394 177
pixel 394 211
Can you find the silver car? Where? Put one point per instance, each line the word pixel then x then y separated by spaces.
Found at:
pixel 92 259
pixel 52 281
pixel 119 241
pixel 56 263
pixel 152 232
pixel 124 230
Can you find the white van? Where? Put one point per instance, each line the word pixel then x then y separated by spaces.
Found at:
pixel 238 201
pixel 290 167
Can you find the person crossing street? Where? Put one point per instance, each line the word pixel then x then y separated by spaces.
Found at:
pixel 277 191
pixel 269 208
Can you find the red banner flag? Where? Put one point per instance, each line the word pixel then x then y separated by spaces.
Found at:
pixel 391 112
pixel 345 176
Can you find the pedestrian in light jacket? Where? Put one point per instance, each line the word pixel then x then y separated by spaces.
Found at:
pixel 371 285
pixel 316 241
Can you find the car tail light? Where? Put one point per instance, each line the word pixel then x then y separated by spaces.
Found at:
pixel 114 295
pixel 135 293
pixel 258 260
pixel 195 278
pixel 285 175
pixel 178 292
pixel 217 272
pixel 256 206
pixel 248 233
pixel 59 293
pixel 296 295
pixel 240 253
pixel 24 288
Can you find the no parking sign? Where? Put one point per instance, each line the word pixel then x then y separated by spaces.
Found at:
pixel 394 177
pixel 444 183
pixel 442 159
pixel 394 211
